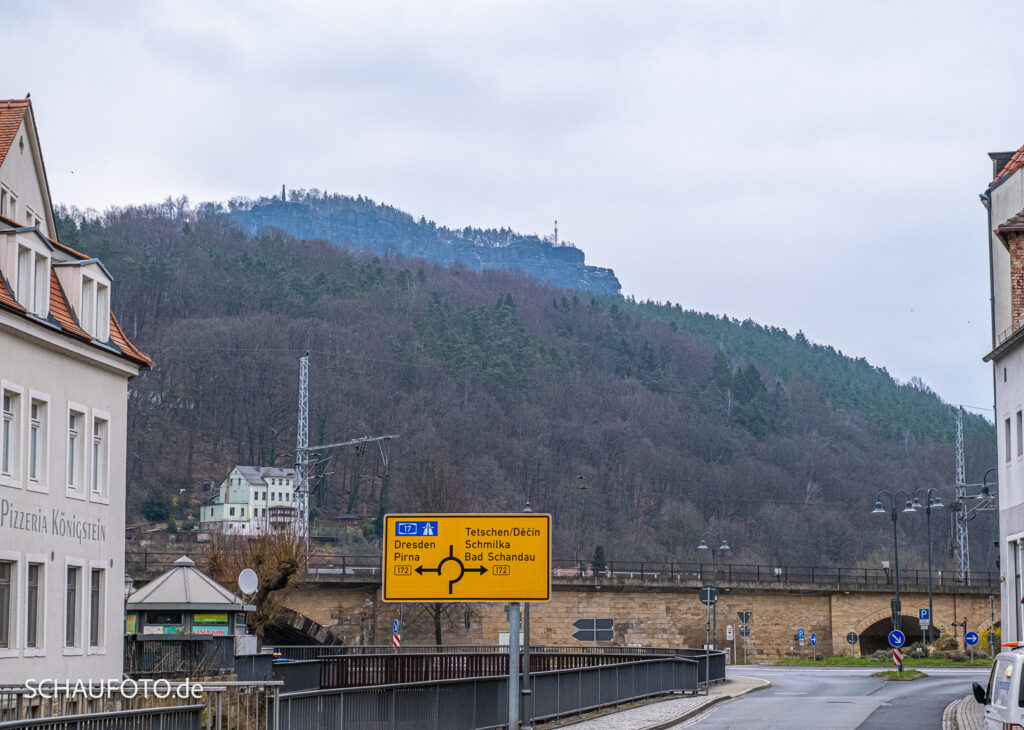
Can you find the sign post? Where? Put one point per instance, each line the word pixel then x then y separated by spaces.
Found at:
pixel 971 638
pixel 744 630
pixel 594 629
pixel 436 558
pixel 446 558
pixel 896 640
pixel 851 639
pixel 814 643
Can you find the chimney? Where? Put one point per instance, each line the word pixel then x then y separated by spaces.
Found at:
pixel 283 199
pixel 999 160
pixel 1011 233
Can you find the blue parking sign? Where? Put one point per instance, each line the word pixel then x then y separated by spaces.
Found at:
pixel 799 633
pixel 897 639
pixel 922 614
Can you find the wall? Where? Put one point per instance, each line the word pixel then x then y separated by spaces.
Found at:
pixel 357 616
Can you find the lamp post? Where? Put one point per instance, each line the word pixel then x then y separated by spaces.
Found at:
pixel 894 513
pixel 933 499
pixel 712 606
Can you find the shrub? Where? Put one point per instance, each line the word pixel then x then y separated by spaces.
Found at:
pixel 938 654
pixel 881 655
pixel 958 656
pixel 946 643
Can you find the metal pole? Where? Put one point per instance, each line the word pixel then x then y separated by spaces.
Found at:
pixel 707 647
pixel 931 615
pixel 992 624
pixel 714 605
pixel 513 665
pixel 896 569
pixel 527 689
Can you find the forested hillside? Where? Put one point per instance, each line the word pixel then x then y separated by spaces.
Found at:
pixel 637 425
pixel 360 224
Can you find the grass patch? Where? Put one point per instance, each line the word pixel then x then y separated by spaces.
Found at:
pixel 907 675
pixel 849 661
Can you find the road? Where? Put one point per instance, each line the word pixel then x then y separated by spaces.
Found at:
pixel 840 698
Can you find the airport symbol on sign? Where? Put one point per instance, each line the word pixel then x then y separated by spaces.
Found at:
pixel 467 557
pixel 897 639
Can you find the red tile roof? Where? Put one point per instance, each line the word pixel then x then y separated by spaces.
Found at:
pixel 1011 225
pixel 61 311
pixel 129 350
pixel 7 297
pixel 12 112
pixel 1012 165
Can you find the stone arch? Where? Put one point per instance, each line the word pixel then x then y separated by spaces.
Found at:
pixel 873 630
pixel 291 627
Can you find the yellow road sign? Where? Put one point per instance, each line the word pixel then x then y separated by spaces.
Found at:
pixel 490 557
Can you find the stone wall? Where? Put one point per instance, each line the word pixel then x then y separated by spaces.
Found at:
pixel 356 615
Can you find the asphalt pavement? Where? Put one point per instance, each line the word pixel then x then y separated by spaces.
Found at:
pixel 839 698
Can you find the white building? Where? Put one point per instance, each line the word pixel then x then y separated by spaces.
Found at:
pixel 253 500
pixel 64 371
pixel 1004 200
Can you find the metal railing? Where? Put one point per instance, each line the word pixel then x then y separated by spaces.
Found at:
pixel 483 702
pixel 155 705
pixel 315 651
pixel 327 566
pixel 364 670
pixel 183 717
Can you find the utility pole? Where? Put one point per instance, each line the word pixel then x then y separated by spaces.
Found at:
pixel 960 502
pixel 303 450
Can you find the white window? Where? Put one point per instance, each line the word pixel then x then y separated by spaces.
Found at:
pixel 6 604
pixel 34 605
pixel 73 587
pixel 88 310
pixel 102 331
pixel 1006 439
pixel 1020 433
pixel 76 432
pixel 41 298
pixel 38 441
pixel 100 451
pixel 97 609
pixel 10 436
pixel 31 284
pixel 3 201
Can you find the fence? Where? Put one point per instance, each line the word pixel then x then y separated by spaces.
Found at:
pixel 483 702
pixel 186 717
pixel 363 670
pixel 146 705
pixel 327 567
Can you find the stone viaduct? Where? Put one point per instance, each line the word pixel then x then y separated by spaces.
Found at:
pixel 659 610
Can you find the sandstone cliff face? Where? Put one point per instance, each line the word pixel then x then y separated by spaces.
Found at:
pixel 358 224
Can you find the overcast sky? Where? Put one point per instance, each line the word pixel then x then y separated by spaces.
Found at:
pixel 809 165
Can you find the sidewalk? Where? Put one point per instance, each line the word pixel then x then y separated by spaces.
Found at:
pixel 662 714
pixel 964 714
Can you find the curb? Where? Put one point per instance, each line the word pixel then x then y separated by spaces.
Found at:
pixel 665 724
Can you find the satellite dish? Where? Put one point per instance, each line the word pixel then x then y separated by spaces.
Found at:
pixel 248 581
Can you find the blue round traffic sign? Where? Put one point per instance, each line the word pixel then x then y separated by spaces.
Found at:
pixel 970 638
pixel 814 639
pixel 897 639
pixel 394 626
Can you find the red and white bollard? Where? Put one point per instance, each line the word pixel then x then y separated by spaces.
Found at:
pixel 897 658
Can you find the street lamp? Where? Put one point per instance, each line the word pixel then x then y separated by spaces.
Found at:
pixel 932 501
pixel 712 605
pixel 894 513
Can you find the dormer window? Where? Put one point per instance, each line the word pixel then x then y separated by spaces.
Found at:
pixel 94 313
pixel 31 285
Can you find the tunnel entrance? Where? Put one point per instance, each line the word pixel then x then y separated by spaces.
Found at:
pixel 876 636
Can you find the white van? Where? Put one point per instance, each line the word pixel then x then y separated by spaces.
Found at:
pixel 1004 696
